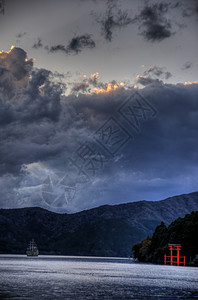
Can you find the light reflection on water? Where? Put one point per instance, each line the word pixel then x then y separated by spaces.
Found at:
pixel 64 277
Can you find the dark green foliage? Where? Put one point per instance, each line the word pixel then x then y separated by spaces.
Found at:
pixel 182 231
pixel 140 250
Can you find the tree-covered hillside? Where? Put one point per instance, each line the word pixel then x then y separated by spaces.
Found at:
pixel 108 230
pixel 182 231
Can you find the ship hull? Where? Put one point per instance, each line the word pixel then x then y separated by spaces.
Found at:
pixel 32 254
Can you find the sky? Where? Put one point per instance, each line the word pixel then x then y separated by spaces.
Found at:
pixel 98 102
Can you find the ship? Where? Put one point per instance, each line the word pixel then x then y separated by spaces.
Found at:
pixel 32 249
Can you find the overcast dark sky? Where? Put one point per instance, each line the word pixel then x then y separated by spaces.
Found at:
pixel 98 102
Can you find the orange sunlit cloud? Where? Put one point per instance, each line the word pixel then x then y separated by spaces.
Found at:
pixel 94 75
pixel 12 47
pixel 189 82
pixel 110 87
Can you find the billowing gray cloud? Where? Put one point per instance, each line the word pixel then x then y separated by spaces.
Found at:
pixel 15 69
pixel 46 135
pixel 23 106
pixel 75 45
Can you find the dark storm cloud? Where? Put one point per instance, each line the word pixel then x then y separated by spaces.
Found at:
pixel 15 69
pixel 26 102
pixel 38 44
pixel 39 101
pixel 41 130
pixel 42 97
pixel 7 115
pixel 113 18
pixel 154 25
pixel 76 45
pixel 165 140
pixel 156 158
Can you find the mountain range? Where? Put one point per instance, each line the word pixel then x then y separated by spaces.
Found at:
pixel 108 230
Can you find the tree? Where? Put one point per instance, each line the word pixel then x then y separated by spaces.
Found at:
pixel 141 250
pixel 182 231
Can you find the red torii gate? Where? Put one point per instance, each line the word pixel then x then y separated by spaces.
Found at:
pixel 174 259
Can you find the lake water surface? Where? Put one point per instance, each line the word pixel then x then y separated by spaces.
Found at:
pixel 66 277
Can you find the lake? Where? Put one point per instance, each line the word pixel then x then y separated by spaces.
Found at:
pixel 66 277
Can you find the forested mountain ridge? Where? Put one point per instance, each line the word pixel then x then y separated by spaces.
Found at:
pixel 108 230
